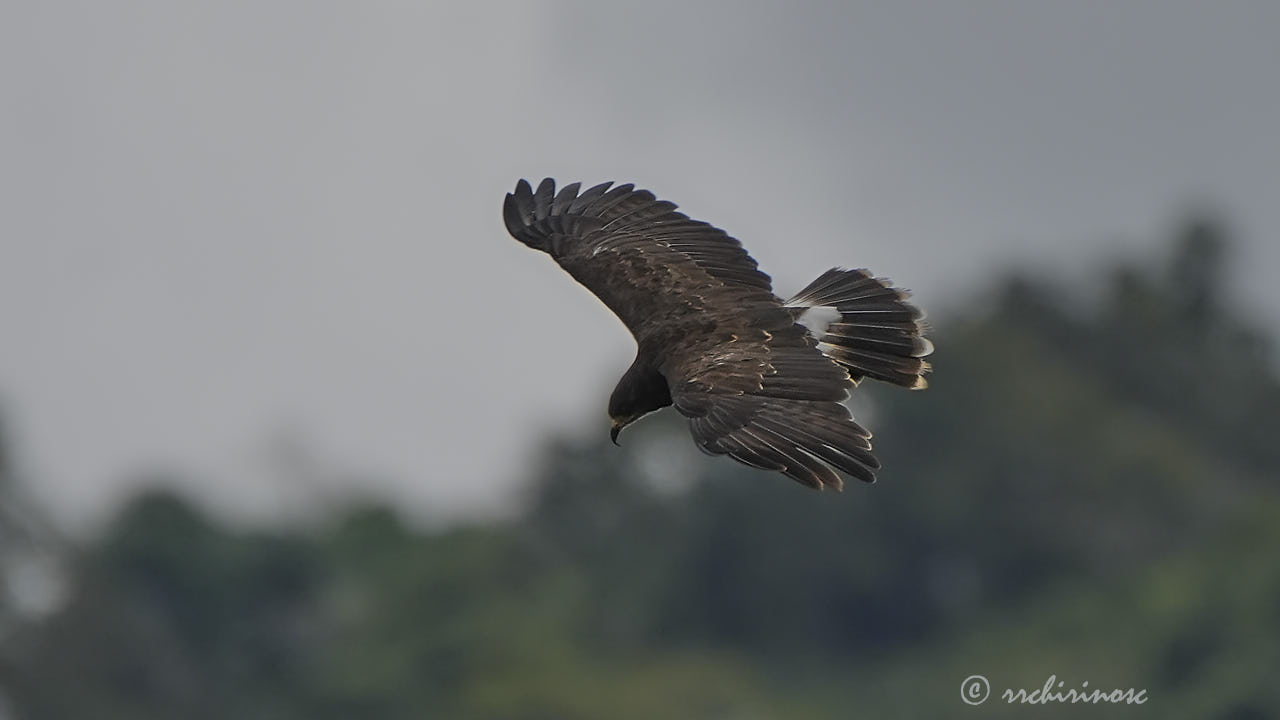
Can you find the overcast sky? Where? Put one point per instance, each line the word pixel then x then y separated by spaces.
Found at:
pixel 253 242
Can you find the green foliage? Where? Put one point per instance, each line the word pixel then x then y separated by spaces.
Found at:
pixel 1087 491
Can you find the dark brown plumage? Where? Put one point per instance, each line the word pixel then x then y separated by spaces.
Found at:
pixel 712 338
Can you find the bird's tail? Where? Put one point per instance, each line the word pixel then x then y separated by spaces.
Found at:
pixel 878 334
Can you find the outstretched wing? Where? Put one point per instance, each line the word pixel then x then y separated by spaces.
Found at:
pixel 646 261
pixel 750 380
pixel 774 404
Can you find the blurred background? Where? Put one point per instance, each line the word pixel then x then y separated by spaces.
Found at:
pixel 290 427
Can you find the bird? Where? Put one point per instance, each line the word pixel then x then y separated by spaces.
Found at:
pixel 758 379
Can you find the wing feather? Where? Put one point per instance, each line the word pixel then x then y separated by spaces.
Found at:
pixel 622 217
pixel 803 439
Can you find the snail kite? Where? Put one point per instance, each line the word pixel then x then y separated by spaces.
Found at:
pixel 712 338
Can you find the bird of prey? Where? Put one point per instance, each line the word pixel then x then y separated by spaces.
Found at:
pixel 714 341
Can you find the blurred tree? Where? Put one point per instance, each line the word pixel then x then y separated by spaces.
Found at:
pixel 30 576
pixel 8 527
pixel 171 616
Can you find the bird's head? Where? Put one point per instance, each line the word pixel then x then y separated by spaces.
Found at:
pixel 640 391
pixel 620 422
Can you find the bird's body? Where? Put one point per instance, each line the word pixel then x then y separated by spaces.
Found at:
pixel 713 339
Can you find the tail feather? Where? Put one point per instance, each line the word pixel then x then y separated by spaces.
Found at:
pixel 878 335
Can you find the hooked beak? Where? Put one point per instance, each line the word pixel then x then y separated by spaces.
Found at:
pixel 613 432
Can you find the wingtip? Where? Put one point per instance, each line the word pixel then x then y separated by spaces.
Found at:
pixel 546 188
pixel 512 216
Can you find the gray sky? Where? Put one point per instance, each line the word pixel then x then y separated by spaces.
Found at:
pixel 257 242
